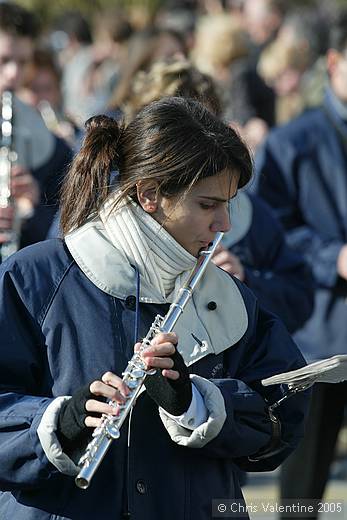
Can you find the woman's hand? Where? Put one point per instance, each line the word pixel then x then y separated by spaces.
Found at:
pixel 229 262
pixel 86 407
pixel 111 388
pixel 158 354
pixel 170 387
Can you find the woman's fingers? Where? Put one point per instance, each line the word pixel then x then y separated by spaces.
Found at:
pixel 158 362
pixel 164 337
pixel 114 381
pixel 100 389
pixel 157 355
pixel 100 408
pixel 171 374
pixel 162 350
pixel 162 345
pixel 92 405
pixel 112 388
pixel 93 422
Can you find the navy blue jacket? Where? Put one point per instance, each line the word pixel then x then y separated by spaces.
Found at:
pixel 278 276
pixel 302 174
pixel 58 332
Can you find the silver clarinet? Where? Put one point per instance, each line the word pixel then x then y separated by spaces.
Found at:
pixel 135 374
pixel 7 157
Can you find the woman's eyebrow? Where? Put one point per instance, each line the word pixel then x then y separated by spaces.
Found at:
pixel 217 199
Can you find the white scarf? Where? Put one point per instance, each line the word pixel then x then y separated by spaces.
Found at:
pixel 161 261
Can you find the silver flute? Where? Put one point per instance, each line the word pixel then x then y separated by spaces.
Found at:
pixel 7 157
pixel 136 372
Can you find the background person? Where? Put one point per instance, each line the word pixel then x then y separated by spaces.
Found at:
pixel 302 172
pixel 41 88
pixel 41 157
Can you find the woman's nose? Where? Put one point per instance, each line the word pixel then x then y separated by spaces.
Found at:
pixel 222 221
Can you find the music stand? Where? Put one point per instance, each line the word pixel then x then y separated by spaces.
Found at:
pixel 331 370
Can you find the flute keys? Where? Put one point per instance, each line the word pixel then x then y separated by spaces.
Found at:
pixel 136 369
pixel 112 431
pixel 137 373
pixel 132 384
pixel 134 373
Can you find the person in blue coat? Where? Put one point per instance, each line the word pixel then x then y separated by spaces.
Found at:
pixel 302 174
pixel 255 251
pixel 72 309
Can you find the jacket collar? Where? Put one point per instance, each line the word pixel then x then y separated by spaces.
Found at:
pixel 216 329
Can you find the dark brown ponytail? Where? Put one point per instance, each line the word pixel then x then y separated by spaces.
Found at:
pixel 86 186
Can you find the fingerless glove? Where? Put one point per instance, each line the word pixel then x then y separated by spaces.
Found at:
pixel 71 427
pixel 174 396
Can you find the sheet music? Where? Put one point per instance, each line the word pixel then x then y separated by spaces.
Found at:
pixel 331 370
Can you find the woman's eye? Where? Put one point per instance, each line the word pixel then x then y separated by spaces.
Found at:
pixel 206 206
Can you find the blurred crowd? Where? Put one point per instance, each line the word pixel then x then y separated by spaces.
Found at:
pixel 264 56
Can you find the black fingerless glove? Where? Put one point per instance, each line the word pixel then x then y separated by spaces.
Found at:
pixel 71 428
pixel 173 396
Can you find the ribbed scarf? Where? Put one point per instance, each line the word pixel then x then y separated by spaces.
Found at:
pixel 145 243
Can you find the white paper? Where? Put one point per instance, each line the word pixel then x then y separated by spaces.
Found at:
pixel 331 370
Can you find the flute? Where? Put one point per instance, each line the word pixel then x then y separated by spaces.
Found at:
pixel 136 372
pixel 7 157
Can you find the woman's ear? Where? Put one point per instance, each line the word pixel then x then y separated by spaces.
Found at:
pixel 147 195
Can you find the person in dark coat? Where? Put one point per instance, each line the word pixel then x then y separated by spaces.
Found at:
pixel 72 309
pixel 256 252
pixel 302 173
pixel 39 159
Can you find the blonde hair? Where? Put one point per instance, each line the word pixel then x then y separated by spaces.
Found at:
pixel 220 40
pixel 170 78
pixel 277 57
